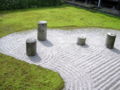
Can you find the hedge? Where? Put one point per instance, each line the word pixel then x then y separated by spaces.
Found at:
pixel 20 4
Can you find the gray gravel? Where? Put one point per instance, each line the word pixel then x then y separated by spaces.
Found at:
pixel 90 67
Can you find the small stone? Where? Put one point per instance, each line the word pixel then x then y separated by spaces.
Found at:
pixel 81 40
pixel 31 47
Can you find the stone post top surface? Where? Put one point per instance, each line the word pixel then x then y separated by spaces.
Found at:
pixel 111 34
pixel 83 36
pixel 42 22
pixel 31 40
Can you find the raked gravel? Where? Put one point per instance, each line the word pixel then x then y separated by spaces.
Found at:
pixel 90 67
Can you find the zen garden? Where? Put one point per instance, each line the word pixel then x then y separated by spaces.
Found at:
pixel 59 45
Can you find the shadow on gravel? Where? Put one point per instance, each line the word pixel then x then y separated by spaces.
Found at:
pixel 85 46
pixel 47 43
pixel 115 50
pixel 35 59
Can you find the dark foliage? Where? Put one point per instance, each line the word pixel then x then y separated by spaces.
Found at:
pixel 20 4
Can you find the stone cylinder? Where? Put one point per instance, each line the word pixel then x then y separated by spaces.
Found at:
pixel 81 40
pixel 31 47
pixel 110 40
pixel 42 30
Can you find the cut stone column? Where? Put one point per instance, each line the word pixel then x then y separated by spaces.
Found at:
pixel 81 40
pixel 110 40
pixel 42 30
pixel 31 47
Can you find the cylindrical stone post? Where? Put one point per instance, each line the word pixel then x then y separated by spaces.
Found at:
pixel 110 40
pixel 42 30
pixel 81 40
pixel 31 47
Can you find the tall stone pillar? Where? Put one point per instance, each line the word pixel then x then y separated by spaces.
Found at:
pixel 42 30
pixel 110 40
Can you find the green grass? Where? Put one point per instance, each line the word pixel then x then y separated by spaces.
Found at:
pixel 57 17
pixel 19 75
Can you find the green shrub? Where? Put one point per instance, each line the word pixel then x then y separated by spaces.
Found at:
pixel 20 4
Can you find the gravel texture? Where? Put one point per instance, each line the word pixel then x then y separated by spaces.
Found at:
pixel 89 67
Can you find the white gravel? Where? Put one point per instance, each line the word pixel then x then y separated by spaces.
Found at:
pixel 91 67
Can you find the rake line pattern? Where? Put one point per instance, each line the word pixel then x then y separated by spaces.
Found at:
pixel 90 67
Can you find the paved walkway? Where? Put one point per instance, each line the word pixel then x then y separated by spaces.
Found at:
pixel 112 11
pixel 91 67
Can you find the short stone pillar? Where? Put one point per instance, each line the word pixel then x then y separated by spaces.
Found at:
pixel 81 40
pixel 42 30
pixel 31 47
pixel 110 40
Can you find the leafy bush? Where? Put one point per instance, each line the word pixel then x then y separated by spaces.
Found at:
pixel 20 4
